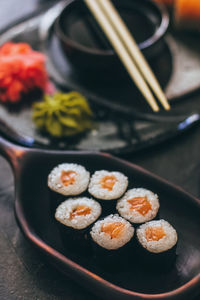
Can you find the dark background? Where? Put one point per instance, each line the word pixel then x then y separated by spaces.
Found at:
pixel 24 274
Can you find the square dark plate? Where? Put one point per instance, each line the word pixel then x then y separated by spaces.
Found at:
pixel 35 218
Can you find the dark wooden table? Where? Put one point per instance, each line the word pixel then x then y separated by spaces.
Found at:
pixel 24 274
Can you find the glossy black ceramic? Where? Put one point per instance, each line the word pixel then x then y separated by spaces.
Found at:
pixel 119 128
pixel 86 46
pixel 134 281
pixel 131 126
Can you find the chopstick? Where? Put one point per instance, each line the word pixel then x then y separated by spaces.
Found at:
pixel 133 49
pixel 120 49
pixel 96 7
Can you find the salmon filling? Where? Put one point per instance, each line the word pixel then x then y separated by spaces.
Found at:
pixel 81 210
pixel 154 233
pixel 108 182
pixel 140 204
pixel 113 229
pixel 68 177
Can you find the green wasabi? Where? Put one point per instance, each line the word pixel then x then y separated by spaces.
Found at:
pixel 63 114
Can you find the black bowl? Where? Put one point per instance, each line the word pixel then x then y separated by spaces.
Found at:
pixel 85 45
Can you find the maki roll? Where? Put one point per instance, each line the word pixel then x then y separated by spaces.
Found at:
pixel 157 241
pixel 105 185
pixel 78 213
pixel 138 205
pixel 111 238
pixel 112 232
pixel 75 216
pixel 68 179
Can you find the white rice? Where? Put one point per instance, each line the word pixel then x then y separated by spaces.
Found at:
pixel 78 222
pixel 81 179
pixel 105 240
pixel 132 215
pixel 164 244
pixel 99 192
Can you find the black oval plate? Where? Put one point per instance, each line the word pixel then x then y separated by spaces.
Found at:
pixel 36 220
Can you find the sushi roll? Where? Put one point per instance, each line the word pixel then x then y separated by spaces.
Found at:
pixel 68 179
pixel 78 213
pixel 138 205
pixel 74 217
pixel 107 187
pixel 111 238
pixel 157 241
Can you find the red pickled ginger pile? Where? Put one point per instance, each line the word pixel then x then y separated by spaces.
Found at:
pixel 21 70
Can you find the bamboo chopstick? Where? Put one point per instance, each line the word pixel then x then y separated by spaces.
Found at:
pixel 120 49
pixel 133 49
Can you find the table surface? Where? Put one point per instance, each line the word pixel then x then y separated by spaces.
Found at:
pixel 24 273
